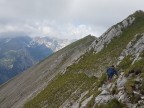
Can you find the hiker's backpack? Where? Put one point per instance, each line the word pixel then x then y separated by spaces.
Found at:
pixel 110 71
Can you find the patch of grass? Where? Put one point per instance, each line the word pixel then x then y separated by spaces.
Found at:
pixel 60 89
pixel 142 54
pixel 138 67
pixel 130 84
pixel 114 91
pixel 135 98
pixel 112 104
pixel 102 79
pixel 95 93
pixel 142 88
pixel 126 63
pixel 93 90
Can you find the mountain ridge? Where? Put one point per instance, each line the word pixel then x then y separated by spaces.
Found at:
pixel 56 62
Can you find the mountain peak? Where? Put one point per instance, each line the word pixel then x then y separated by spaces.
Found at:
pixel 90 36
pixel 139 12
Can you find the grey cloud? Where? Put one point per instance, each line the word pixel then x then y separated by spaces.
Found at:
pixel 64 18
pixel 12 34
pixel 34 8
pixel 86 10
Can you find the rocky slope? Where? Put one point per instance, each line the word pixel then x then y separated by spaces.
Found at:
pixel 75 77
pixel 28 84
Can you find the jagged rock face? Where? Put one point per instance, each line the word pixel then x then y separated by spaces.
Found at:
pixel 105 96
pixel 114 31
pixel 134 48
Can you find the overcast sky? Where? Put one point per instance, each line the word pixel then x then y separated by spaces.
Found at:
pixel 71 19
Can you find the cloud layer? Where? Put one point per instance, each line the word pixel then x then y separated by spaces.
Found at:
pixel 64 18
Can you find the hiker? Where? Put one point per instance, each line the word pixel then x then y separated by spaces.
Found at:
pixel 111 71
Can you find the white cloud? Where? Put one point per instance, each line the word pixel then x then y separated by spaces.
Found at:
pixel 52 29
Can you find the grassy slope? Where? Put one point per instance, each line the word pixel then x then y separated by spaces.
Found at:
pixel 64 85
pixel 60 89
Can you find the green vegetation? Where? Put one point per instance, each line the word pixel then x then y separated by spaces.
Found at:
pixel 126 63
pixel 138 65
pixel 136 69
pixel 130 84
pixel 93 90
pixel 142 54
pixel 142 88
pixel 60 89
pixel 112 104
pixel 114 91
pixel 63 87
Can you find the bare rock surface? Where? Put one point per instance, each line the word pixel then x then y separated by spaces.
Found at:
pixel 134 48
pixel 114 31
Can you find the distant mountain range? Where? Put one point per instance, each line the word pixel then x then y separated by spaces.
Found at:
pixel 21 52
pixel 53 43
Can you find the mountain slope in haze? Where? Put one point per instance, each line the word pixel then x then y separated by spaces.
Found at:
pixel 16 55
pixel 83 85
pixel 28 84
